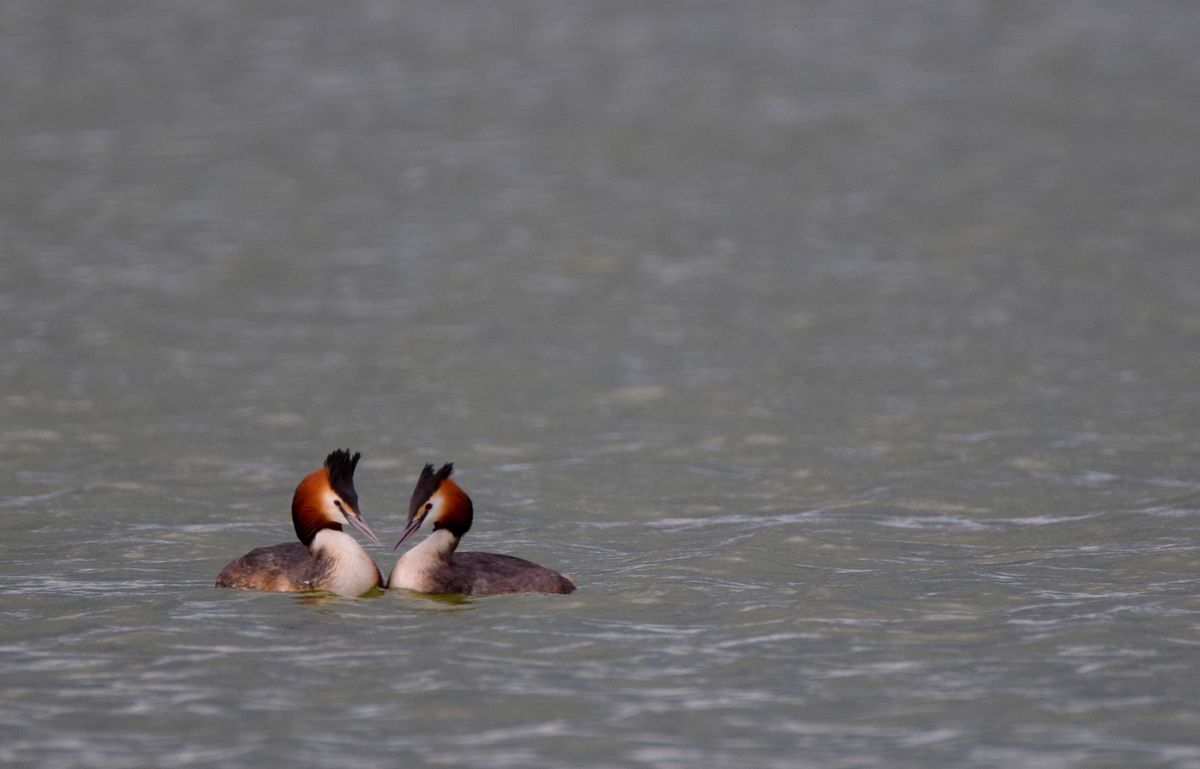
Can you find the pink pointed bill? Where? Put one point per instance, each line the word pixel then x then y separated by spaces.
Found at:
pixel 357 522
pixel 409 530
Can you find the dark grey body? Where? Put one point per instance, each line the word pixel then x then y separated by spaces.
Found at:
pixel 287 566
pixel 490 573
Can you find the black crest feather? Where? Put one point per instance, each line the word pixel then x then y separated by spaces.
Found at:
pixel 340 465
pixel 427 484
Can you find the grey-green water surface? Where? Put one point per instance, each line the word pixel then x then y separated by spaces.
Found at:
pixel 846 355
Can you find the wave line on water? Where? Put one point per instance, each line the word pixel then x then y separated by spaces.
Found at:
pixel 29 500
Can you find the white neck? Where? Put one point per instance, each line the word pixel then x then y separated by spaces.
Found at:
pixel 351 571
pixel 414 568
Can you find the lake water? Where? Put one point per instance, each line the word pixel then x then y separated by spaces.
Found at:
pixel 847 355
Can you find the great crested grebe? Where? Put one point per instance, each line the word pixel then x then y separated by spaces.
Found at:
pixel 434 567
pixel 325 558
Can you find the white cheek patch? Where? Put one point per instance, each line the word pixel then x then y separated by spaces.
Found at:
pixel 336 513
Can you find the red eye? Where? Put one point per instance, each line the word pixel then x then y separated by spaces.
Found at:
pixel 428 506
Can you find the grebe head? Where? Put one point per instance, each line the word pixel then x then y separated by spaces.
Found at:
pixel 326 499
pixel 439 500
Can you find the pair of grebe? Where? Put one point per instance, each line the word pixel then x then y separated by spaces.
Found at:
pixel 326 558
